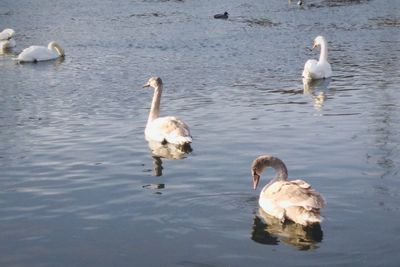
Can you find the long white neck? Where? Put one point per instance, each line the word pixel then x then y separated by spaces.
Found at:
pixel 155 104
pixel 323 56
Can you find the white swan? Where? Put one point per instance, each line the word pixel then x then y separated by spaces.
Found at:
pixel 294 200
pixel 320 69
pixel 164 129
pixel 36 53
pixel 6 40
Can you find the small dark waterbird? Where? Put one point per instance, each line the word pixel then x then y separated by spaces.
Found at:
pixel 222 16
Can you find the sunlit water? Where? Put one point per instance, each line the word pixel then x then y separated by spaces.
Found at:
pixel 79 185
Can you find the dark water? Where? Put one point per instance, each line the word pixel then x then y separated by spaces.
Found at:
pixel 78 182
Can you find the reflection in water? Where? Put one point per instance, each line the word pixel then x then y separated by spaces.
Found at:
pixel 6 51
pixel 58 61
pixel 157 166
pixel 268 230
pixel 154 186
pixel 317 89
pixel 168 151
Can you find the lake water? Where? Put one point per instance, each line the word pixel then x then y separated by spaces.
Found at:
pixel 79 185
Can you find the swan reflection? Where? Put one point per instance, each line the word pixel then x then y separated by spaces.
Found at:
pixel 168 151
pixel 268 230
pixel 317 89
pixel 6 51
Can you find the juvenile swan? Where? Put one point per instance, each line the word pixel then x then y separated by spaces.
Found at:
pixel 320 69
pixel 36 53
pixel 294 200
pixel 164 129
pixel 6 39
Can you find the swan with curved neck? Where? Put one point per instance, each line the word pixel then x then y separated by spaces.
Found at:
pixel 36 53
pixel 164 129
pixel 292 200
pixel 6 39
pixel 320 69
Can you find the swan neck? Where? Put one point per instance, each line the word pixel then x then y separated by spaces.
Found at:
pixel 324 52
pixel 155 104
pixel 281 170
pixel 262 162
pixel 56 47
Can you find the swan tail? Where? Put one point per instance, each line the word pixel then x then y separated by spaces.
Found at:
pixel 303 216
pixel 182 140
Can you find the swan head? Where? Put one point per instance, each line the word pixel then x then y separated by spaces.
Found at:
pixel 10 33
pixel 55 46
pixel 261 163
pixel 154 82
pixel 318 41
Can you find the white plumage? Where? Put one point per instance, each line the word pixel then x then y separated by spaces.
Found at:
pixel 164 129
pixel 6 39
pixel 320 69
pixel 36 53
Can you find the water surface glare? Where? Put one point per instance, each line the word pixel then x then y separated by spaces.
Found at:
pixel 79 185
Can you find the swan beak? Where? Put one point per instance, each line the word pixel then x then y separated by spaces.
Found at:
pixel 256 179
pixel 314 45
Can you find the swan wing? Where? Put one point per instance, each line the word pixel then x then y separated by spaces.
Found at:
pixel 36 53
pixel 309 69
pixel 171 129
pixel 325 69
pixel 295 193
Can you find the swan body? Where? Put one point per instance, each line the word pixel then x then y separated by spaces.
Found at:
pixel 6 39
pixel 294 200
pixel 164 129
pixel 36 53
pixel 320 69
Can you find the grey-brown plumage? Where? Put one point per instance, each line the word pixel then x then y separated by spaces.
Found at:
pixel 295 200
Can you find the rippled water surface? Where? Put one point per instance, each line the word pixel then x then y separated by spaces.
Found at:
pixel 79 185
